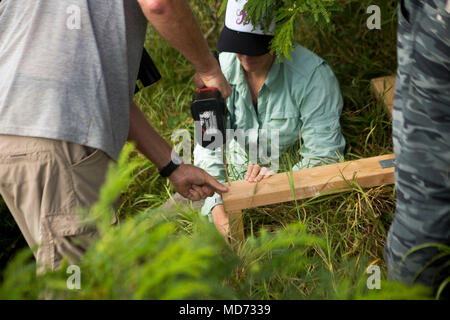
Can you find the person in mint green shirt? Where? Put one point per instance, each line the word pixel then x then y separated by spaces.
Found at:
pixel 299 97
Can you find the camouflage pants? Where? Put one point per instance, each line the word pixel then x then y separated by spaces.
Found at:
pixel 421 135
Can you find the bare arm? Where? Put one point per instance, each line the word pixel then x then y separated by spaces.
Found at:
pixel 176 23
pixel 190 181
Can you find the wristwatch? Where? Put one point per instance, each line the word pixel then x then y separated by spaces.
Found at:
pixel 171 166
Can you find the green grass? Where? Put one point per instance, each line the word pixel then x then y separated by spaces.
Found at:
pixel 352 225
pixel 356 222
pixel 180 255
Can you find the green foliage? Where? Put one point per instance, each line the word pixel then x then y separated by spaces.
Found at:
pixel 118 178
pixel 443 255
pixel 266 260
pixel 287 15
pixel 151 256
pixel 143 258
pixel 350 228
pixel 19 279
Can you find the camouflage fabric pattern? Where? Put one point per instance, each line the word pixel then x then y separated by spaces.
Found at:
pixel 421 136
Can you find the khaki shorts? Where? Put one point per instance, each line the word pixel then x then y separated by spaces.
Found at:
pixel 44 183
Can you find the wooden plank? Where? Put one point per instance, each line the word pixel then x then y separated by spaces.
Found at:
pixel 307 183
pixel 236 227
pixel 384 89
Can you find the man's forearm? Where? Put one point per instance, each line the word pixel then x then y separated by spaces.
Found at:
pixel 191 182
pixel 176 23
pixel 147 140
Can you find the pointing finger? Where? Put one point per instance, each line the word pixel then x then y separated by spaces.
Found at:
pixel 215 185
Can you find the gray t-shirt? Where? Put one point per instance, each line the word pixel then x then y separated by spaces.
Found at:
pixel 68 69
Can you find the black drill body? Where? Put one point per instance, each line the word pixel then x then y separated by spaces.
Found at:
pixel 210 115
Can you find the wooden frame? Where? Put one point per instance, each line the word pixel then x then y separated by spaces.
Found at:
pixel 384 89
pixel 306 183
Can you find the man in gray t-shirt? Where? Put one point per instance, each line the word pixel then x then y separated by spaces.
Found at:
pixel 67 77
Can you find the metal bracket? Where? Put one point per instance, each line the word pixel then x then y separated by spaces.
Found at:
pixel 387 163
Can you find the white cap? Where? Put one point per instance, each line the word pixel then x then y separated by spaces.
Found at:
pixel 235 19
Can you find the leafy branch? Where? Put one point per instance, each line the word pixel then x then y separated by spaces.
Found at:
pixel 287 15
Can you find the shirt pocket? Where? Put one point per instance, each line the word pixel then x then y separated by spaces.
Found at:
pixel 287 124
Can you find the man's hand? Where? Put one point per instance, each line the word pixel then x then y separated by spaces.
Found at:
pixel 255 173
pixel 213 79
pixel 194 183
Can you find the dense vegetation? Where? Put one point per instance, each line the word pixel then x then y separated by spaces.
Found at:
pixel 316 248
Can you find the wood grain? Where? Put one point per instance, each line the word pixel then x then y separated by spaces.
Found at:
pixel 308 183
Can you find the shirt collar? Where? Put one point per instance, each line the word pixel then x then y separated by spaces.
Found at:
pixel 235 73
pixel 274 73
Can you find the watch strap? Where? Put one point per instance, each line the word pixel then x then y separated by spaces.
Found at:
pixel 168 169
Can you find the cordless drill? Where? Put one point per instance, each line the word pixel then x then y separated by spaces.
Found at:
pixel 209 112
pixel 210 115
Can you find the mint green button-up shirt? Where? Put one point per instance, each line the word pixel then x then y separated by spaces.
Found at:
pixel 300 98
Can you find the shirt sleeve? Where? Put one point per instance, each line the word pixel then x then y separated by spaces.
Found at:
pixel 320 110
pixel 212 162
